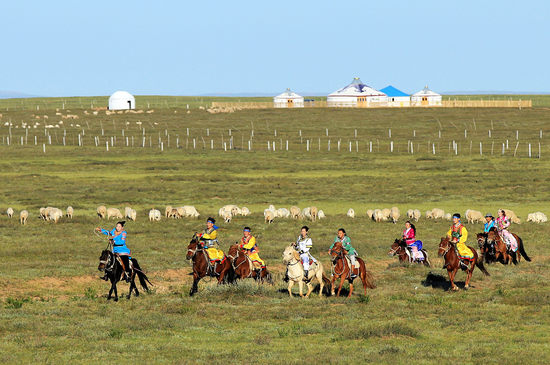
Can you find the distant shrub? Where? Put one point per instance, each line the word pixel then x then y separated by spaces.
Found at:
pixel 90 293
pixel 12 303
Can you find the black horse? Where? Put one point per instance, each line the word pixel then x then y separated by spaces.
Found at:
pixel 114 272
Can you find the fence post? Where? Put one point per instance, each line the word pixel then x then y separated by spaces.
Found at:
pixel 503 149
pixel 529 149
pixel 249 145
pixel 287 144
pixel 480 149
pixel 307 145
pixel 107 144
pixel 211 144
pixel 389 133
pixel 391 146
pixel 370 146
pixel 338 146
pixel 350 146
pixel 274 145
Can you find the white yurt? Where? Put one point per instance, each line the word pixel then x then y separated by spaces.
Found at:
pixel 396 97
pixel 426 97
pixel 356 94
pixel 288 99
pixel 122 100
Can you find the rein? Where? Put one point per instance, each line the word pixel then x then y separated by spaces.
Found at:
pixel 445 253
pixel 333 266
pixel 290 263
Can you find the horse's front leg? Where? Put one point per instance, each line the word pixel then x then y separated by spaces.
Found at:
pixel 342 279
pixel 350 287
pixel 301 286
pixel 309 290
pixel 132 286
pixel 194 287
pixel 290 285
pixel 116 291
pixel 332 287
pixel 452 274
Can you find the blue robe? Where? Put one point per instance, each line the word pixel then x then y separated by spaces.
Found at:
pixel 488 226
pixel 120 242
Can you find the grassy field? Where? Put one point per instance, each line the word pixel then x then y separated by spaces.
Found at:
pixel 54 306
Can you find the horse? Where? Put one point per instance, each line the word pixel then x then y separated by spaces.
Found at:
pixel 114 271
pixel 201 266
pixel 243 267
pixel 452 263
pixel 401 249
pixel 516 256
pixel 492 251
pixel 295 271
pixel 341 269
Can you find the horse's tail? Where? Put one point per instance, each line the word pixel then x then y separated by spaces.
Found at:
pixel 426 259
pixel 522 249
pixel 327 282
pixel 368 277
pixel 230 276
pixel 143 279
pixel 479 264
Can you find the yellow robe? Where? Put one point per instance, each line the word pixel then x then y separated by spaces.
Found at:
pixel 249 246
pixel 213 253
pixel 463 250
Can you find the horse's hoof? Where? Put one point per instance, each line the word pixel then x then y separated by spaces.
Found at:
pixel 116 299
pixel 466 287
pixel 455 288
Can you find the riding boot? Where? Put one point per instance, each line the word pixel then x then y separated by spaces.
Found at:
pixel 306 272
pixel 463 265
pixel 258 273
pixel 105 277
pixel 353 275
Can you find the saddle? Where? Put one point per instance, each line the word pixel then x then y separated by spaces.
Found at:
pixel 411 254
pixel 357 266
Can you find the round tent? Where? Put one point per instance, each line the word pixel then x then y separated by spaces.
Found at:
pixel 426 97
pixel 288 99
pixel 122 100
pixel 356 94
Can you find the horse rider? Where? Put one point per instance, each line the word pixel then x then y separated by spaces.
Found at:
pixel 119 248
pixel 346 244
pixel 209 241
pixel 303 245
pixel 489 223
pixel 250 248
pixel 458 235
pixel 409 235
pixel 502 224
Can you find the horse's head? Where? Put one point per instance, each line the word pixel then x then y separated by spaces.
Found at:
pixel 444 246
pixel 104 260
pixel 336 251
pixel 493 238
pixel 290 254
pixel 481 239
pixel 192 248
pixel 395 247
pixel 233 252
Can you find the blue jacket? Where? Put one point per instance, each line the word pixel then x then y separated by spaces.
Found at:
pixel 488 226
pixel 120 241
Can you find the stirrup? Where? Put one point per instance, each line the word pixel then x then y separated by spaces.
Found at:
pixel 353 275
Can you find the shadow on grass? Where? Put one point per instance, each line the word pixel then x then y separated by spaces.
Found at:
pixel 438 281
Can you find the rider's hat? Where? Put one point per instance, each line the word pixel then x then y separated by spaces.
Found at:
pixel 488 215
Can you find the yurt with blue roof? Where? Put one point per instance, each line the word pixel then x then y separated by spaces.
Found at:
pixel 396 97
pixel 356 94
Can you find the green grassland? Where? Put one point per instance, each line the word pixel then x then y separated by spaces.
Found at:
pixel 54 307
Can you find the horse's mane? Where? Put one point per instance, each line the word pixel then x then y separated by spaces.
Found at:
pixel 293 252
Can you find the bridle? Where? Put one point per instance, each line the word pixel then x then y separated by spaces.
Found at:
pixel 446 251
pixel 334 259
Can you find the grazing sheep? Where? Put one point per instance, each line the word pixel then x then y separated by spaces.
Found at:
pixel 191 211
pixel 438 213
pixel 132 215
pixel 321 214
pixel 283 213
pixel 269 216
pixel 429 214
pixel 385 214
pixel 512 216
pixel 227 216
pixel 394 214
pixel 10 212
pixel 43 213
pixel 23 216
pixel 233 209
pixel 245 211
pixel 55 214
pixel 416 215
pixel 448 216
pixel 70 212
pixel 154 214
pixel 377 215
pixel 474 215
pixel 174 214
pixel 272 207
pixel 126 211
pixel 537 217
pixel 410 214
pixel 221 212
pixel 370 212
pixel 181 211
pixel 101 211
pixel 48 212
pixel 314 213
pixel 306 213
pixel 295 212
pixel 114 213
pixel 270 210
pixel 167 211
pixel 351 213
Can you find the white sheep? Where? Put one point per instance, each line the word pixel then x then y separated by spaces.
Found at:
pixel 23 216
pixel 191 211
pixel 10 212
pixel 295 212
pixel 429 214
pixel 126 211
pixel 114 213
pixel 448 216
pixel 154 214
pixel 321 214
pixel 174 214
pixel 314 213
pixel 385 214
pixel 227 216
pixel 370 212
pixel 283 213
pixel 416 215
pixel 245 211
pixel 55 214
pixel 269 216
pixel 101 211
pixel 377 215
pixel 410 214
pixel 70 212
pixel 167 211
pixel 512 216
pixel 474 216
pixel 537 217
pixel 351 213
pixel 132 215
pixel 394 214
pixel 438 213
pixel 306 213
pixel 181 211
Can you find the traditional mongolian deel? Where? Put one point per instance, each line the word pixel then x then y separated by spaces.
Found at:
pixel 119 242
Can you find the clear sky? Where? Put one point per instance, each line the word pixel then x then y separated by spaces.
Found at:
pixel 85 48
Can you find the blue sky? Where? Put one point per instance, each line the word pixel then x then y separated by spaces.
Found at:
pixel 84 48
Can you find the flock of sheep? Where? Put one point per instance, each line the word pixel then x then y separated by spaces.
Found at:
pixel 154 214
pixel 308 213
pixel 47 214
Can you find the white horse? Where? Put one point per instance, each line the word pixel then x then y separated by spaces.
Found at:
pixel 291 259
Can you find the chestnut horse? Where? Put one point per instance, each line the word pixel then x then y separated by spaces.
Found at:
pixel 114 271
pixel 493 251
pixel 242 266
pixel 201 266
pixel 341 270
pixel 452 263
pixel 516 256
pixel 399 248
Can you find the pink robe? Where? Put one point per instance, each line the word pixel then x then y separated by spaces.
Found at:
pixel 502 224
pixel 408 236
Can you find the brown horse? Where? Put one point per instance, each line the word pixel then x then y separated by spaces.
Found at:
pixel 515 256
pixel 243 266
pixel 491 250
pixel 399 248
pixel 341 270
pixel 452 263
pixel 201 266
